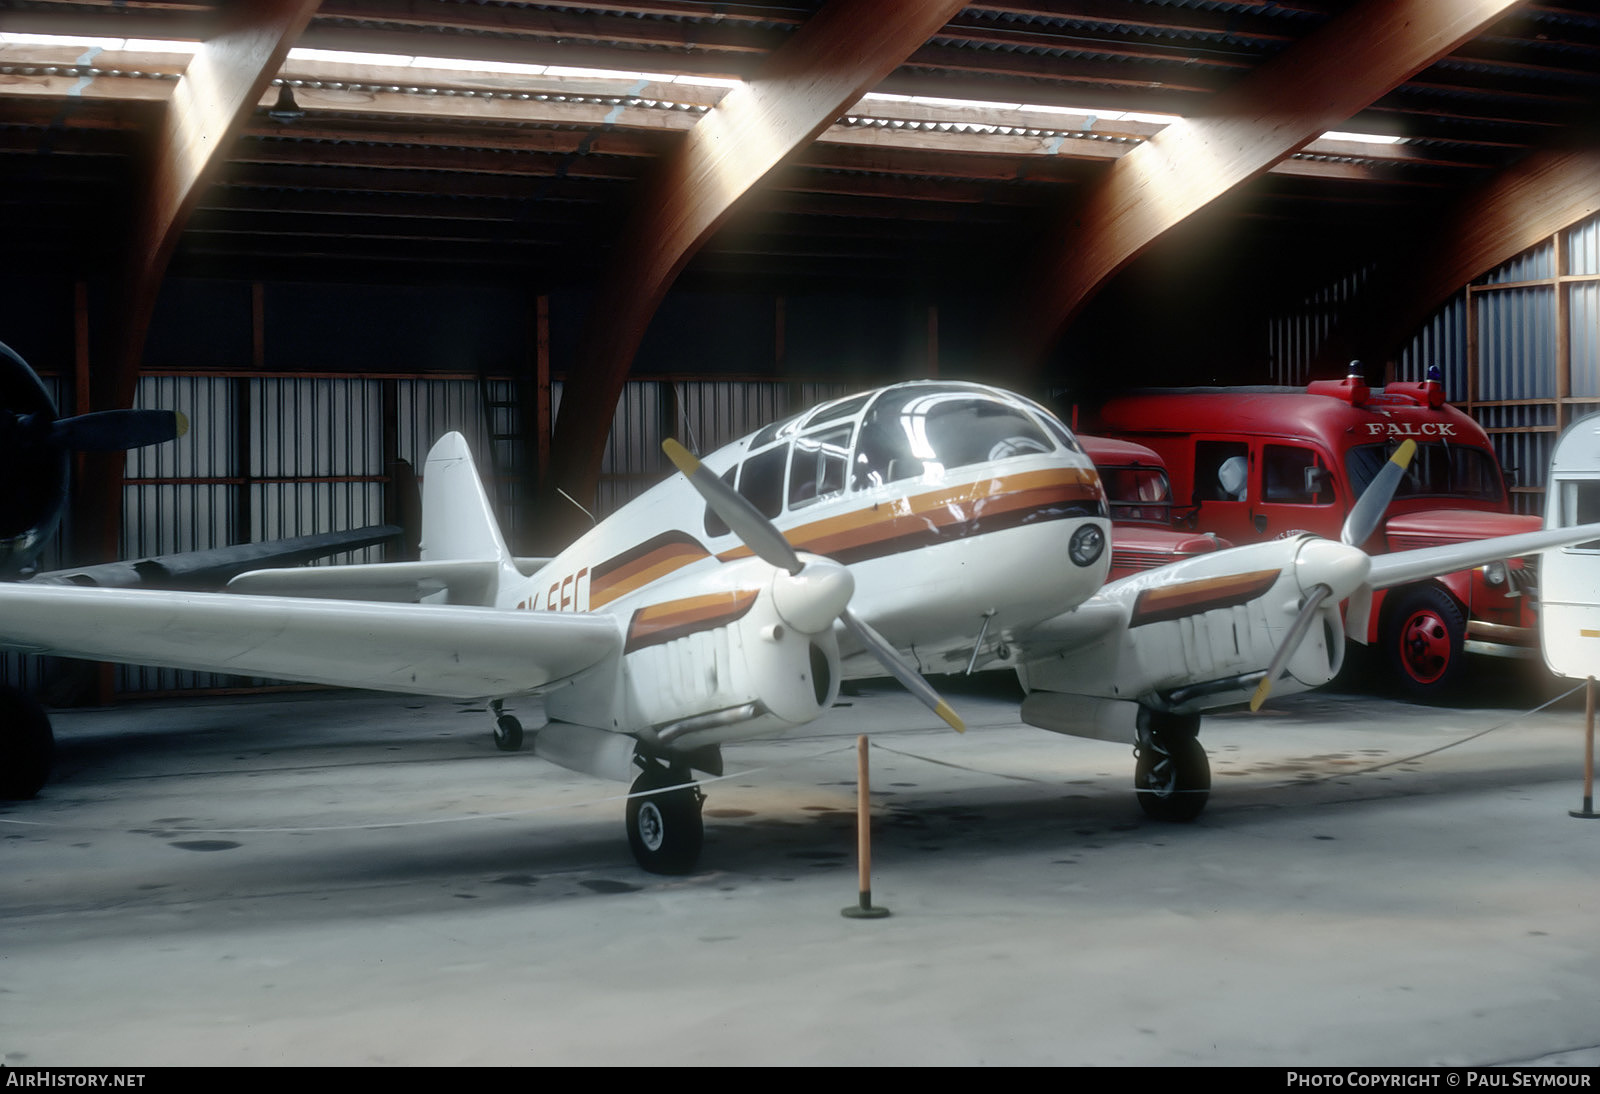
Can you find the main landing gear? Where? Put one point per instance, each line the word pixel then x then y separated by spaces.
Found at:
pixel 507 730
pixel 1171 775
pixel 665 829
pixel 26 745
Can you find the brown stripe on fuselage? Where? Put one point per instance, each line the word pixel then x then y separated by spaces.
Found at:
pixel 658 623
pixel 650 561
pixel 956 512
pixel 1193 597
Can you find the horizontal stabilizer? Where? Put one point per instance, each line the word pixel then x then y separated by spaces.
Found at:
pixel 211 569
pixel 420 649
pixel 467 581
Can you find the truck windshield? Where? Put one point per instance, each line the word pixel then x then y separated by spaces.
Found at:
pixel 1438 469
pixel 1137 493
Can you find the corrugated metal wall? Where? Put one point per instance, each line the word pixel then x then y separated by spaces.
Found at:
pixel 1501 345
pixel 269 457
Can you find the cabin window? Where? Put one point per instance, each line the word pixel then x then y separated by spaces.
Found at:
pixel 1291 475
pixel 922 432
pixel 818 467
pixel 1580 504
pixel 761 481
pixel 833 412
pixel 1221 470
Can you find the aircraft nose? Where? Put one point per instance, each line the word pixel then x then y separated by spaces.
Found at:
pixel 1325 562
pixel 812 599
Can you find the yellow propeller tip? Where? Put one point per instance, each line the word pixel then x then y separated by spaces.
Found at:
pixel 681 457
pixel 943 710
pixel 1263 689
pixel 1403 454
pixel 182 421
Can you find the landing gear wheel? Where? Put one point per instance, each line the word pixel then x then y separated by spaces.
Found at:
pixel 1171 777
pixel 1422 642
pixel 665 830
pixel 507 733
pixel 26 745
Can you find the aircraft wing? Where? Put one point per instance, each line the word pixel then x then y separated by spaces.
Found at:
pixel 1402 567
pixel 424 649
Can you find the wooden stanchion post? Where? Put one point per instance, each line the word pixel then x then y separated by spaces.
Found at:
pixel 1587 811
pixel 863 908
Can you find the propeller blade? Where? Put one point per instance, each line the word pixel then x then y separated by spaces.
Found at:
pixel 1368 511
pixel 759 534
pixel 889 658
pixel 1291 642
pixel 747 522
pixel 116 430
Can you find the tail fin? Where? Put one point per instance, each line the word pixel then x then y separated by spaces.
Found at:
pixel 458 521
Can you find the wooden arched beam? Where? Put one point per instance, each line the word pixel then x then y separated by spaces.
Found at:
pixel 1519 207
pixel 839 54
pixel 219 89
pixel 1309 88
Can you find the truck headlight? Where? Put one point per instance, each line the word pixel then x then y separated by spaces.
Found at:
pixel 1495 574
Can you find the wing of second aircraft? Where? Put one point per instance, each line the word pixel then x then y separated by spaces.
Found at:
pixel 457 652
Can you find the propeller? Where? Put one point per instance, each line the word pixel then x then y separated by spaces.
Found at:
pixel 1365 516
pixel 759 534
pixel 117 430
pixel 34 448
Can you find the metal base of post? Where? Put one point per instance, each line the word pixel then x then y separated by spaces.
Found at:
pixel 865 909
pixel 1587 812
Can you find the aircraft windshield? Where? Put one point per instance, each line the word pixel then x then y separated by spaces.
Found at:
pixel 921 431
pixel 1438 469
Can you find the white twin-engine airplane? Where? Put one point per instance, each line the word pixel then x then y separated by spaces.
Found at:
pixel 953 526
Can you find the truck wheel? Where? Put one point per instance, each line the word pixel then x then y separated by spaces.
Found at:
pixel 1422 642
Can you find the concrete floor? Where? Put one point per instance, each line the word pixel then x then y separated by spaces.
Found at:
pixel 353 879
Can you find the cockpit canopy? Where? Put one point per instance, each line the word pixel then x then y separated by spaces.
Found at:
pixel 910 432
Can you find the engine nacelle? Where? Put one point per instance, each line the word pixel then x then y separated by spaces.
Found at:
pixel 707 668
pixel 1202 632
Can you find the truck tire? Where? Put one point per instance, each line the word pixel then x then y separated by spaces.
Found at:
pixel 1423 636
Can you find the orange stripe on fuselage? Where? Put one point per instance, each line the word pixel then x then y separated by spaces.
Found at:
pixel 900 524
pixel 636 573
pixel 1193 597
pixel 658 623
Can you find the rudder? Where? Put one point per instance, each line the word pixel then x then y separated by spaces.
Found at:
pixel 458 520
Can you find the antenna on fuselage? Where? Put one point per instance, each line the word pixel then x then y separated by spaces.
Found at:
pixel 574 501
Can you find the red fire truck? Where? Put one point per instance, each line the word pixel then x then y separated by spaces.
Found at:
pixel 1261 463
pixel 1146 530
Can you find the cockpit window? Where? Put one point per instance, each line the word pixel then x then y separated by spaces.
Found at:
pixel 761 481
pixel 818 466
pixel 919 431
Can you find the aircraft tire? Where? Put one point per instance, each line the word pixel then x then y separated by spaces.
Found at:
pixel 26 745
pixel 1172 778
pixel 665 830
pixel 1423 638
pixel 507 733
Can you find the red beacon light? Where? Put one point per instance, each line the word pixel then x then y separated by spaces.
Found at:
pixel 1352 389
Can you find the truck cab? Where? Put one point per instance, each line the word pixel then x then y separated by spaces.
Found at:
pixel 1147 529
pixel 1264 463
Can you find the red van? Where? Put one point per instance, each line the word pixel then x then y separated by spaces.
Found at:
pixel 1261 463
pixel 1146 530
